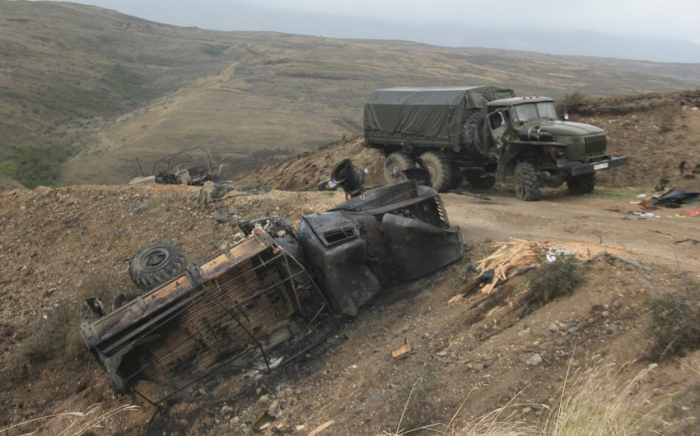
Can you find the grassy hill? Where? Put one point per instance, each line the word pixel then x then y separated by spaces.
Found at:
pixel 109 88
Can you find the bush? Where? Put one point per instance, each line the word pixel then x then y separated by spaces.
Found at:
pixel 676 321
pixel 555 279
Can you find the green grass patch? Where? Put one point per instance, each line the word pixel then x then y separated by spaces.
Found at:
pixel 214 49
pixel 127 83
pixel 35 165
pixel 626 193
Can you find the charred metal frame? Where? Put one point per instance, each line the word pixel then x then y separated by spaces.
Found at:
pixel 229 314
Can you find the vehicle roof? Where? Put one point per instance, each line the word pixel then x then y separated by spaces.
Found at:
pixel 476 96
pixel 519 100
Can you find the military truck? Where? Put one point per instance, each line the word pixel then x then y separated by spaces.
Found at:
pixel 483 134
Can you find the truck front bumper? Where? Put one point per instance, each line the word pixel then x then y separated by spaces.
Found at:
pixel 578 168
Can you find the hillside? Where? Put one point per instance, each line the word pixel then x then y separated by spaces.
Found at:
pixel 59 246
pixel 107 89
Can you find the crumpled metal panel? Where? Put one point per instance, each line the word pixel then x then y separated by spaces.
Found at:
pixel 418 248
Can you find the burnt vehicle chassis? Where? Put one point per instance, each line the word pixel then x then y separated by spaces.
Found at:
pixel 273 295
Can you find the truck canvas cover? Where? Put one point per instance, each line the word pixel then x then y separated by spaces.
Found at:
pixel 427 112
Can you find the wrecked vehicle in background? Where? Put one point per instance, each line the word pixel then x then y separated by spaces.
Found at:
pixel 182 168
pixel 271 296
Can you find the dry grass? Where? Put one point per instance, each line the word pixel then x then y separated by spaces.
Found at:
pixel 79 423
pixel 676 321
pixel 600 400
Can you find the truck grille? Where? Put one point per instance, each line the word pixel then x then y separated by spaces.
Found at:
pixel 596 144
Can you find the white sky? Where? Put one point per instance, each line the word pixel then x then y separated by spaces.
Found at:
pixel 669 19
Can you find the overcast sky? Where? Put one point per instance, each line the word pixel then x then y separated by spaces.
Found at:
pixel 677 19
pixel 446 22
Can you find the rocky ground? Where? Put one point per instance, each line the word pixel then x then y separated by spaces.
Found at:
pixel 58 246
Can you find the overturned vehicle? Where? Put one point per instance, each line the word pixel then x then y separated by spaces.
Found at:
pixel 271 296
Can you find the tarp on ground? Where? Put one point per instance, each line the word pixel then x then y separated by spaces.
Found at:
pixel 427 112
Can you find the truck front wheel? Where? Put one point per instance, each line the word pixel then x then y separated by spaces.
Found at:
pixel 394 166
pixel 583 184
pixel 439 170
pixel 526 186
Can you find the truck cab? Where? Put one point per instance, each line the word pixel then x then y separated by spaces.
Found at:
pixel 527 138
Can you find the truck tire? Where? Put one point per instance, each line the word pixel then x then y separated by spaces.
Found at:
pixel 395 164
pixel 583 184
pixel 482 182
pixel 526 186
pixel 472 133
pixel 439 170
pixel 156 264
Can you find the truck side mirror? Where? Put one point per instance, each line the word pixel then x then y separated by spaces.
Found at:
pixel 564 112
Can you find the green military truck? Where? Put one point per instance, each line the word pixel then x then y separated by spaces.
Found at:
pixel 483 134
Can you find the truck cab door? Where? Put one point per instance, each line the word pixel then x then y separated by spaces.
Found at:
pixel 498 123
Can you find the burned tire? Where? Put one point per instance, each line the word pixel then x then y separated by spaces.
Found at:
pixel 583 184
pixel 482 182
pixel 156 264
pixel 394 166
pixel 439 170
pixel 527 187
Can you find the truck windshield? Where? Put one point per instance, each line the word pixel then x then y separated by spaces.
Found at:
pixel 535 111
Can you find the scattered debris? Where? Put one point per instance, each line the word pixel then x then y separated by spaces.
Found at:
pixel 555 253
pixel 676 196
pixel 511 259
pixel 643 214
pixel 694 241
pixel 321 428
pixel 402 351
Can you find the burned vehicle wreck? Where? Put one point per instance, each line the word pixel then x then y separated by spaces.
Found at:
pixel 272 295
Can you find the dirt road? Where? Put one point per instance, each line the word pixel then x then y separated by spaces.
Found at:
pixel 593 223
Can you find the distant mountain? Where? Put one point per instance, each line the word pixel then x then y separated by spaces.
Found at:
pixel 232 15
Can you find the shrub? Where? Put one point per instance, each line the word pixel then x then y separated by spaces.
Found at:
pixel 574 101
pixel 35 165
pixel 555 279
pixel 676 321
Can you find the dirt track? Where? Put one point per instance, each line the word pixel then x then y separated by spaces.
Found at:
pixel 593 223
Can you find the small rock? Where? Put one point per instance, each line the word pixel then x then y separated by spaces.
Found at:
pixel 223 217
pixel 605 314
pixel 141 209
pixel 553 327
pixel 478 367
pixel 393 386
pixel 523 333
pixel 264 399
pixel 442 353
pixel 534 360
pixel 226 409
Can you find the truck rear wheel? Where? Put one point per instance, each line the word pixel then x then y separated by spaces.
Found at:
pixel 526 186
pixel 394 166
pixel 439 170
pixel 156 264
pixel 583 184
